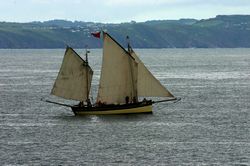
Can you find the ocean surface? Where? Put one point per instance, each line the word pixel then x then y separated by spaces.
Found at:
pixel 209 126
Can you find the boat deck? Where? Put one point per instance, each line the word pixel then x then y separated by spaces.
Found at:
pixel 140 107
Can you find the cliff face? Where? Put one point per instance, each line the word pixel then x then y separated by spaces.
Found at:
pixel 222 31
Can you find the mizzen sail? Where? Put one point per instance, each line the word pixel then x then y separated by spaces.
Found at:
pixel 118 75
pixel 74 78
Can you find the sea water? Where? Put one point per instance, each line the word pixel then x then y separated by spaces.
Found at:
pixel 209 126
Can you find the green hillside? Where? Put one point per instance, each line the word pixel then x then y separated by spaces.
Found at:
pixel 222 31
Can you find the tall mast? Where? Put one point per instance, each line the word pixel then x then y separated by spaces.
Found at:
pixel 134 93
pixel 87 73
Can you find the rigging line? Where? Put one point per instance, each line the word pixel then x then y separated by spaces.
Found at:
pixel 87 73
pixel 119 45
pixel 52 102
pixel 91 95
pixel 173 99
pixel 134 92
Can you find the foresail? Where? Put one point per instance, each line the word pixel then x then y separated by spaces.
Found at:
pixel 118 74
pixel 71 82
pixel 147 84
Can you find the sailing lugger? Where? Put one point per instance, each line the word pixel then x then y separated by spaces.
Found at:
pixel 124 79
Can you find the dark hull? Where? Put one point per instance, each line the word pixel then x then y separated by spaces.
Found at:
pixel 113 109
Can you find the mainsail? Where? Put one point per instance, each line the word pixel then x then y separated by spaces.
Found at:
pixel 147 84
pixel 123 75
pixel 118 74
pixel 74 78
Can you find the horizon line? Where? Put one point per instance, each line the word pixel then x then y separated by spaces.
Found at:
pixel 99 22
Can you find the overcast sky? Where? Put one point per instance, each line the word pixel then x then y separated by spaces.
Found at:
pixel 116 11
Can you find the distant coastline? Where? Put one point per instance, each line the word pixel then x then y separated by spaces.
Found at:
pixel 223 31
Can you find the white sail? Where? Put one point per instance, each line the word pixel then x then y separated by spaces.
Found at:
pixel 147 84
pixel 74 78
pixel 118 74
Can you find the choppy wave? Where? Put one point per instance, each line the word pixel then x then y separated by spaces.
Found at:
pixel 209 126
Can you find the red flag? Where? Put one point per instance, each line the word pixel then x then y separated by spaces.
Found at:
pixel 96 34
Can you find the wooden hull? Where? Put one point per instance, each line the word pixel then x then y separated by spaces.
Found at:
pixel 112 110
